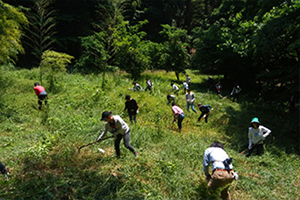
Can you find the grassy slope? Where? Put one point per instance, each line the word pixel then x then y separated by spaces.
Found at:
pixel 40 147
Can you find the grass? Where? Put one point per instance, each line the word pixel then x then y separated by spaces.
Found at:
pixel 40 148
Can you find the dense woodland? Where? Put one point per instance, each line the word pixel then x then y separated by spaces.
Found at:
pixel 254 43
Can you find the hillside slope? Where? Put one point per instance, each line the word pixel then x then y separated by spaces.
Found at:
pixel 40 148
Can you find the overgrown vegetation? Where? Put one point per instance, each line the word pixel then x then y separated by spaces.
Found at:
pixel 40 148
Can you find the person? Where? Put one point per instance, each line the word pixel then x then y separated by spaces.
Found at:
pixel 185 86
pixel 205 109
pixel 178 115
pixel 149 85
pixel 256 134
pixel 137 87
pixel 218 87
pixel 222 169
pixel 174 88
pixel 41 93
pixel 132 107
pixel 4 171
pixel 235 92
pixel 170 98
pixel 116 125
pixel 190 98
pixel 188 80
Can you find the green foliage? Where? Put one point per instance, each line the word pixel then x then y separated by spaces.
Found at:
pixel 11 22
pixel 40 148
pixel 174 55
pixel 54 63
pixel 41 28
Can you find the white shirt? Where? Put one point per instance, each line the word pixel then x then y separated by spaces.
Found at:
pixel 257 135
pixel 174 87
pixel 190 97
pixel 216 156
pixel 120 127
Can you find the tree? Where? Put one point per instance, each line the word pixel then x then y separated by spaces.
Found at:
pixel 40 30
pixel 175 56
pixel 54 63
pixel 11 22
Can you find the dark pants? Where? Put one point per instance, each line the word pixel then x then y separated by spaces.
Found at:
pixel 126 139
pixel 202 114
pixel 259 150
pixel 41 99
pixel 235 96
pixel 179 120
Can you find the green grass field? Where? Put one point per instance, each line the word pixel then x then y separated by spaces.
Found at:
pixel 40 148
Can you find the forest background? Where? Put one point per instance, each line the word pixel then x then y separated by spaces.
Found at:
pixel 253 43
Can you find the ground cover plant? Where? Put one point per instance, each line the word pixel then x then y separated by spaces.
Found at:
pixel 40 148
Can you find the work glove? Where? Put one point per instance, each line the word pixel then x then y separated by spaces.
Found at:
pixel 212 109
pixel 235 175
pixel 137 111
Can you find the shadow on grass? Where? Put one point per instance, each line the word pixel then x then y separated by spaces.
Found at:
pixel 284 136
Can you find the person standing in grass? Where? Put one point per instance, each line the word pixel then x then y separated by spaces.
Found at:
pixel 149 85
pixel 132 107
pixel 174 88
pixel 205 109
pixel 41 93
pixel 222 170
pixel 120 130
pixel 235 92
pixel 178 115
pixel 218 87
pixel 171 98
pixel 190 98
pixel 257 134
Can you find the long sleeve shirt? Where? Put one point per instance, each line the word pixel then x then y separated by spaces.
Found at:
pixel 257 135
pixel 216 156
pixel 176 110
pixel 205 109
pixel 235 90
pixel 137 87
pixel 174 87
pixel 119 126
pixel 131 106
pixel 185 85
pixel 190 97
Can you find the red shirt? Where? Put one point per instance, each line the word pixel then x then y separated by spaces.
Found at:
pixel 38 89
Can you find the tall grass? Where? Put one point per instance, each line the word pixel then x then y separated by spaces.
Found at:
pixel 40 148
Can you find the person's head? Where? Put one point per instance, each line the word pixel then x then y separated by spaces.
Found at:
pixel 200 105
pixel 172 84
pixel 187 75
pixel 127 97
pixel 217 144
pixel 134 83
pixel 255 122
pixel 173 104
pixel 36 84
pixel 188 91
pixel 147 78
pixel 168 96
pixel 106 116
